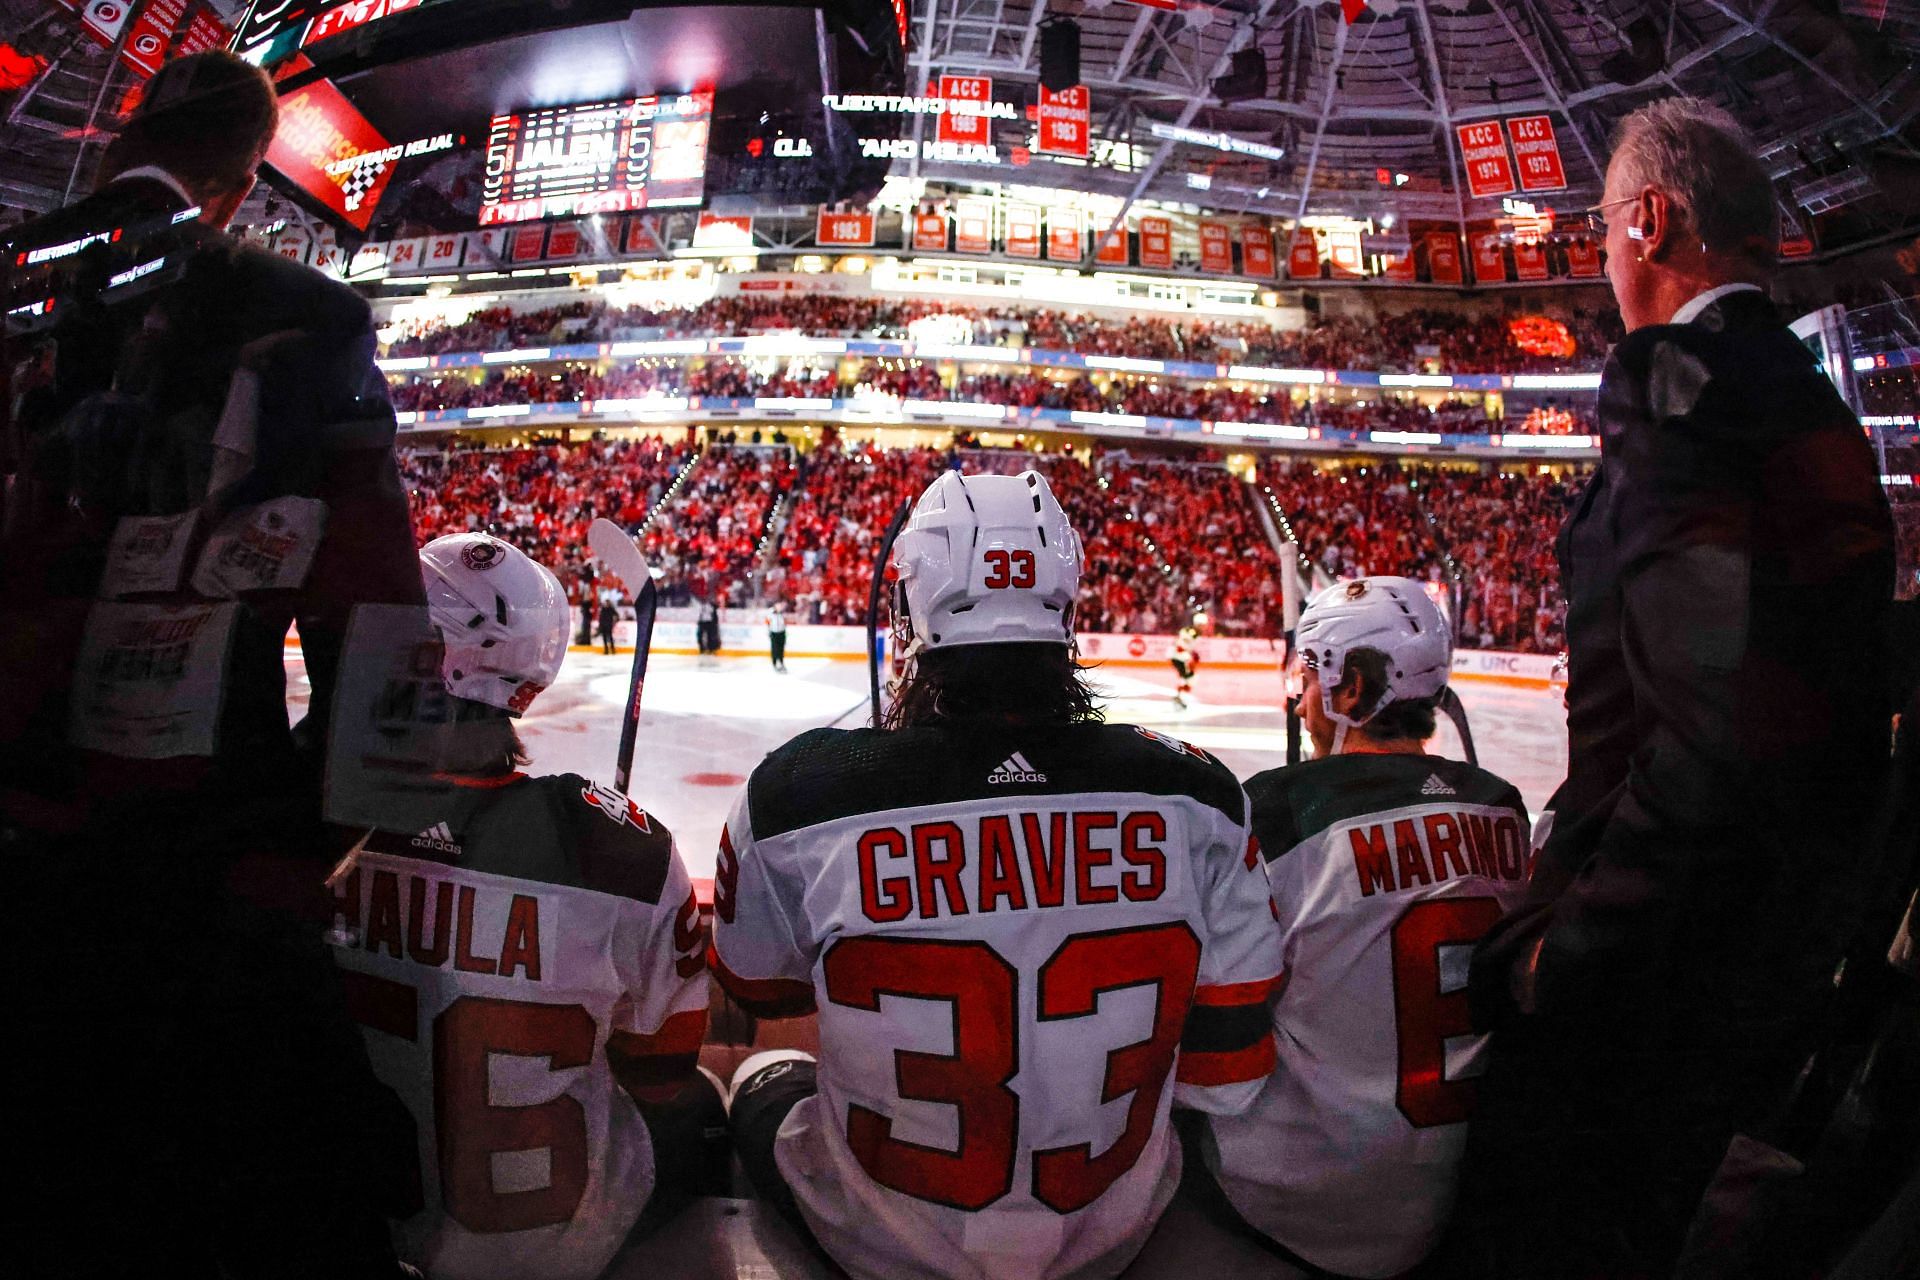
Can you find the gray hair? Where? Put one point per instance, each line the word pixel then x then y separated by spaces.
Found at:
pixel 1699 157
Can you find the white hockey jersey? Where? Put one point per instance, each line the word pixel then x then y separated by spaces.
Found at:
pixel 525 970
pixel 1386 869
pixel 1016 941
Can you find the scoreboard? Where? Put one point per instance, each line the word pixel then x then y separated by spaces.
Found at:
pixel 603 157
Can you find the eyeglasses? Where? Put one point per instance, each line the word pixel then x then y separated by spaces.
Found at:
pixel 1596 214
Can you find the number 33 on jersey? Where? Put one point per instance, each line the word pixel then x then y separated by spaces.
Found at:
pixel 1021 946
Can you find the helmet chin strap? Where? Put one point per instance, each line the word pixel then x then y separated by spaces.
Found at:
pixel 1340 727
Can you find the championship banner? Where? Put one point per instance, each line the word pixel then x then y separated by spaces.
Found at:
pixel 407 255
pixel 152 35
pixel 1483 153
pixel 1216 247
pixel 564 241
pixel 1489 263
pixel 529 244
pixel 643 236
pixel 105 19
pixel 1065 241
pixel 1583 258
pixel 1023 231
pixel 1256 251
pixel 1397 267
pixel 834 230
pixel 1529 260
pixel 1537 152
pixel 1343 255
pixel 1065 121
pixel 965 119
pixel 1443 258
pixel 319 149
pixel 714 231
pixel 204 31
pixel 1156 242
pixel 929 232
pixel 443 252
pixel 1113 249
pixel 1303 259
pixel 973 227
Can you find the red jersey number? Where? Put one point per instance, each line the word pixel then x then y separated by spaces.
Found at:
pixel 984 992
pixel 1426 1017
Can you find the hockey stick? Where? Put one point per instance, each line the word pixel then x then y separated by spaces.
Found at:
pixel 873 604
pixel 613 547
pixel 1290 619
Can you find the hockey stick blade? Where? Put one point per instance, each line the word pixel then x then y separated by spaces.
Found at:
pixel 612 546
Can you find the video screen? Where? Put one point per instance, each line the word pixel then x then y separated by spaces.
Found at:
pixel 326 151
pixel 273 30
pixel 603 157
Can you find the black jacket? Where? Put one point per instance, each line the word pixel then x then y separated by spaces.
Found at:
pixel 1728 571
pixel 326 431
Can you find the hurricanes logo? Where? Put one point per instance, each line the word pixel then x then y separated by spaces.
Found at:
pixel 482 555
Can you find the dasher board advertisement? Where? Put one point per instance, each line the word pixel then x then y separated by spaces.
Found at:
pixel 599 157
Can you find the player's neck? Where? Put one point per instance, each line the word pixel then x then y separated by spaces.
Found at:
pixel 1359 744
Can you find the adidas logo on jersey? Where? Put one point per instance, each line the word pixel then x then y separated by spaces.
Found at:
pixel 437 838
pixel 1435 787
pixel 1015 769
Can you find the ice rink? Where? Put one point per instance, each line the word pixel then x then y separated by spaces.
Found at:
pixel 706 723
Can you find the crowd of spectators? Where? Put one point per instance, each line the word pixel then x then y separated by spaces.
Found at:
pixel 1164 539
pixel 1389 341
pixel 917 380
pixel 1493 533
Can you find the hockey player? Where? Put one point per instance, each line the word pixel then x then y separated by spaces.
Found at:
pixel 1387 865
pixel 1024 931
pixel 1186 660
pixel 529 968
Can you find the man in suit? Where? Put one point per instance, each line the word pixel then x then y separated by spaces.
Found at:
pixel 1728 572
pixel 200 455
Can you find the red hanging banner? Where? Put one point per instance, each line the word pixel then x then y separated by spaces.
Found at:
pixel 1065 242
pixel 643 236
pixel 1256 251
pixel 152 35
pixel 973 227
pixel 1537 153
pixel 1489 262
pixel 1483 154
pixel 1397 267
pixel 1216 247
pixel 1156 242
pixel 1303 259
pixel 929 232
pixel 835 230
pixel 529 244
pixel 1443 258
pixel 204 31
pixel 1023 231
pixel 1065 119
pixel 565 240
pixel 1113 248
pixel 1583 258
pixel 1343 254
pixel 1529 260
pixel 966 99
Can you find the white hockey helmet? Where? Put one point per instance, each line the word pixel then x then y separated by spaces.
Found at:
pixel 503 619
pixel 986 560
pixel 1395 618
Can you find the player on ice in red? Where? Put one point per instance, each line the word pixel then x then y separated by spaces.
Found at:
pixel 1387 865
pixel 1186 661
pixel 528 968
pixel 1024 931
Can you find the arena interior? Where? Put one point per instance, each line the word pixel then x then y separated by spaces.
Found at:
pixel 1264 289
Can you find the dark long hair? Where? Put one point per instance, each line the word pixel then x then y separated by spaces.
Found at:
pixel 987 684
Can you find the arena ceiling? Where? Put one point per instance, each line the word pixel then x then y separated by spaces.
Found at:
pixel 1830 88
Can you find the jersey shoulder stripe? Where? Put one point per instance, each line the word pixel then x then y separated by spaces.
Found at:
pixel 560 830
pixel 1297 802
pixel 827 775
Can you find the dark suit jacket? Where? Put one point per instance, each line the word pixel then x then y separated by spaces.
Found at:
pixel 1728 571
pixel 326 431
